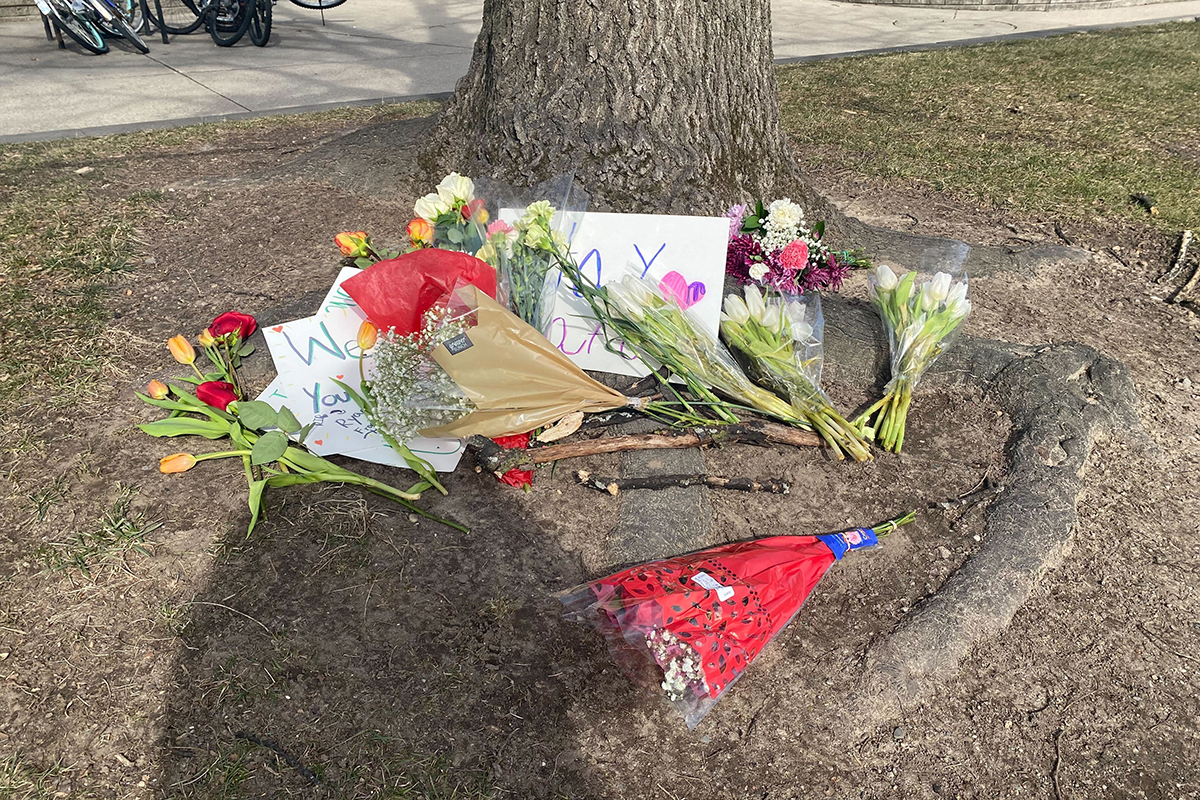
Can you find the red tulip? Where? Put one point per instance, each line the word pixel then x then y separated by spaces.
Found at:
pixel 233 322
pixel 217 394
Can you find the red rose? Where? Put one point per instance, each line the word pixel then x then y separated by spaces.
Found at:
pixel 518 478
pixel 217 394
pixel 233 322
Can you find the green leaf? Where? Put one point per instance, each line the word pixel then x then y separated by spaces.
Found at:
pixel 286 421
pixel 455 235
pixel 269 447
pixel 819 229
pixel 292 479
pixel 246 349
pixel 303 434
pixel 751 223
pixel 256 414
pixel 185 426
pixel 255 499
pixel 362 262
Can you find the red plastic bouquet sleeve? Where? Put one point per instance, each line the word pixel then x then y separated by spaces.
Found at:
pixel 396 292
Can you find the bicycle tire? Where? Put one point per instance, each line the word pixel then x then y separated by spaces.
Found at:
pixel 126 32
pixel 132 11
pixel 316 5
pixel 227 33
pixel 179 17
pixel 260 23
pixel 85 34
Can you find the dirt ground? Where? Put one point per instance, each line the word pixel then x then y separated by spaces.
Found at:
pixel 346 650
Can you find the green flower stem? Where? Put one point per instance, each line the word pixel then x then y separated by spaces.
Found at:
pixel 222 454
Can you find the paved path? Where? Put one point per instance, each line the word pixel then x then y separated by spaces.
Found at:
pixel 374 50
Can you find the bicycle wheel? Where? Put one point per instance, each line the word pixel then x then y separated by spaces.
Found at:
pixel 179 17
pixel 260 22
pixel 318 4
pixel 119 22
pixel 81 30
pixel 228 20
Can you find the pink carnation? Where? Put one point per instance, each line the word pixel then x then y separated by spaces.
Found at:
pixel 794 257
pixel 499 226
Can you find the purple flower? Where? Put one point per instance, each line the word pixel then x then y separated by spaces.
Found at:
pixel 735 215
pixel 743 251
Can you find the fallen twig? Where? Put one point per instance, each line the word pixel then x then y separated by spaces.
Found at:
pixel 492 457
pixel 986 489
pixel 615 485
pixel 291 760
pixel 1066 239
pixel 1185 241
pixel 1112 251
pixel 1057 765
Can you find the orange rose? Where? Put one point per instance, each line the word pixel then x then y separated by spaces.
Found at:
pixel 353 245
pixel 420 232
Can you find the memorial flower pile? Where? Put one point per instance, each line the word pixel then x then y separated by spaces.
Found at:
pixel 774 247
pixel 919 322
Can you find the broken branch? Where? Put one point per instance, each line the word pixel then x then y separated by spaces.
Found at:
pixel 615 485
pixel 492 457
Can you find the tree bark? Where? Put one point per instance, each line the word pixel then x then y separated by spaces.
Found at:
pixel 657 105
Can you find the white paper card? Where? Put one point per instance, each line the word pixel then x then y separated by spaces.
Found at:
pixel 688 252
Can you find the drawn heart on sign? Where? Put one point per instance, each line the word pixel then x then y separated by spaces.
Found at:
pixel 278 329
pixel 318 441
pixel 339 377
pixel 675 287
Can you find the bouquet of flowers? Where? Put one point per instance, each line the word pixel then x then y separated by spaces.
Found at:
pixel 919 321
pixel 523 252
pixel 692 624
pixel 780 338
pixel 774 247
pixel 450 218
pixel 635 311
pixel 262 437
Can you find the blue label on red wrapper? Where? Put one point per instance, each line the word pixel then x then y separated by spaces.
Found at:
pixel 855 539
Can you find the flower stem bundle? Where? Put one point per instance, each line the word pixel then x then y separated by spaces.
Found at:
pixel 919 322
pixel 782 346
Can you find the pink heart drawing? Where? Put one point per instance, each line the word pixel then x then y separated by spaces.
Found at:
pixel 674 286
pixel 318 441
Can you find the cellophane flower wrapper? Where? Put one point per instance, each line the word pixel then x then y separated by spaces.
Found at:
pixel 523 248
pixel 456 215
pixel 676 337
pixel 691 625
pixel 917 337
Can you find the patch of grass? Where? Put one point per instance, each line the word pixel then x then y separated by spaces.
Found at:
pixel 1069 126
pixel 20 780
pixel 48 496
pixel 67 238
pixel 118 532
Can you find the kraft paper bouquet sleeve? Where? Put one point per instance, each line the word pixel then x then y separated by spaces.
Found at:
pixel 513 377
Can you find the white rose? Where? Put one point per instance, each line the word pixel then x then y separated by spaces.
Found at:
pixel 430 207
pixel 758 271
pixel 455 187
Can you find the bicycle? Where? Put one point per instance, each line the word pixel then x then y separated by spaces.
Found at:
pixel 227 20
pixel 86 20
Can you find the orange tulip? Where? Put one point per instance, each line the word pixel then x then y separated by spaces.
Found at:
pixel 206 338
pixel 367 334
pixel 353 244
pixel 182 350
pixel 157 389
pixel 420 232
pixel 177 462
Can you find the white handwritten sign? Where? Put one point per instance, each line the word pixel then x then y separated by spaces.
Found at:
pixel 684 256
pixel 309 355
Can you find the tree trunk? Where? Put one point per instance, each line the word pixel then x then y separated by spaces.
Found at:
pixel 657 105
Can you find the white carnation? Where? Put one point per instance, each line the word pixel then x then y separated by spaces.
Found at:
pixel 758 271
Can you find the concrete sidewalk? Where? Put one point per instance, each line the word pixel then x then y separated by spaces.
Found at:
pixel 378 50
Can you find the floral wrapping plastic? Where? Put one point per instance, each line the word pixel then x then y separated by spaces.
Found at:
pixel 921 321
pixel 540 221
pixel 691 625
pixel 780 338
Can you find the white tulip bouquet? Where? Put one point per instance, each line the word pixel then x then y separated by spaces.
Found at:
pixel 919 321
pixel 780 337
